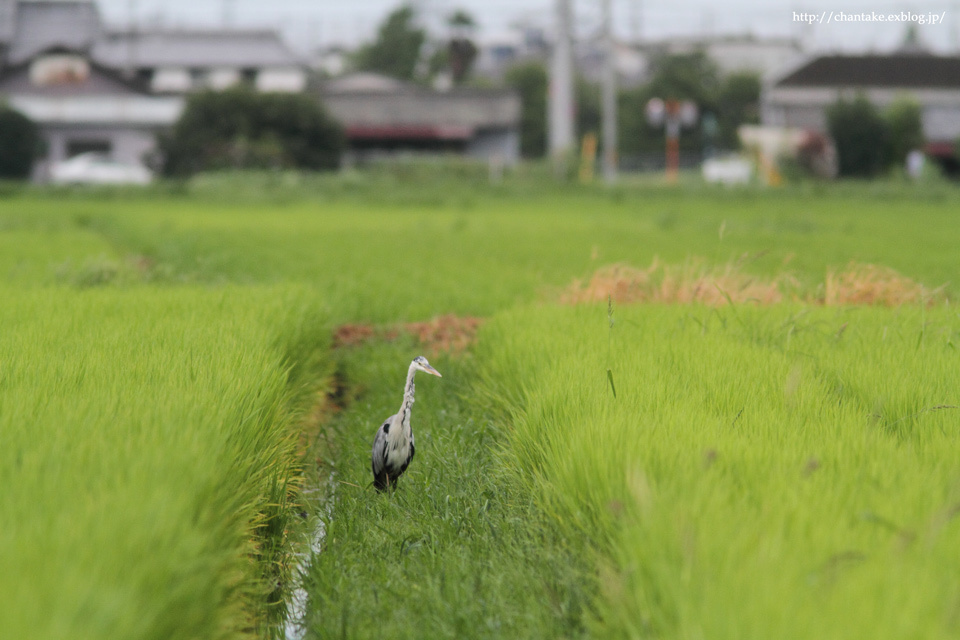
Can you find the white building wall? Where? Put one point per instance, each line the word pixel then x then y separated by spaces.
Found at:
pixel 171 80
pixel 219 79
pixel 129 145
pixel 285 80
pixel 805 108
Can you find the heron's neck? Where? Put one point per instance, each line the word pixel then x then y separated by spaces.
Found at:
pixel 407 405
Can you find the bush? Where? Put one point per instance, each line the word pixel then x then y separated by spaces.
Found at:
pixel 861 136
pixel 240 128
pixel 905 124
pixel 738 102
pixel 530 81
pixel 19 144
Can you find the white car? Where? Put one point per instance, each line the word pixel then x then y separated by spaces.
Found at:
pixel 729 170
pixel 94 168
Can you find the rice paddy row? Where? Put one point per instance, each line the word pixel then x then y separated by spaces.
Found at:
pixel 786 472
pixel 149 459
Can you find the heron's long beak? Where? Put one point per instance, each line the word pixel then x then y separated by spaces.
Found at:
pixel 432 371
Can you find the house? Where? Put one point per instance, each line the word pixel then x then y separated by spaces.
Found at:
pixel 382 115
pixel 90 88
pixel 330 62
pixel 800 98
pixel 497 53
pixel 81 106
pixel 179 61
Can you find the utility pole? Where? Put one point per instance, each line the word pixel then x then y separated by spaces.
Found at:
pixel 560 103
pixel 609 97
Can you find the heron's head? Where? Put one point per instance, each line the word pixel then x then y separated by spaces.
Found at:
pixel 420 363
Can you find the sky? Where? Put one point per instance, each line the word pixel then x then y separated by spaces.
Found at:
pixel 309 24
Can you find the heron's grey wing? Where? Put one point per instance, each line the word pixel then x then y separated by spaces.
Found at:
pixel 378 459
pixel 406 463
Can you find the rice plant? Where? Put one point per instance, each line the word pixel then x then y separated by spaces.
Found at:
pixel 148 453
pixel 786 472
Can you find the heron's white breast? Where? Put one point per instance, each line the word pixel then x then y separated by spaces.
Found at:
pixel 398 452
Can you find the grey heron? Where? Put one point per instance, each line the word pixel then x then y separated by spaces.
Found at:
pixel 393 445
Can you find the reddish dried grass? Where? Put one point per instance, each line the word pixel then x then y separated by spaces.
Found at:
pixel 347 335
pixel 858 284
pixel 448 333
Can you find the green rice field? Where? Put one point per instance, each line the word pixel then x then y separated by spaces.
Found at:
pixel 191 377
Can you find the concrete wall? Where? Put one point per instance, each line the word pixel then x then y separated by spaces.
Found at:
pixel 412 107
pixel 502 145
pixel 127 145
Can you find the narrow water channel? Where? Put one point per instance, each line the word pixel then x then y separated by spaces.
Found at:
pixel 295 623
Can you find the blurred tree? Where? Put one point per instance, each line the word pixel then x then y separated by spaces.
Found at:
pixel 690 76
pixel 635 135
pixel 904 122
pixel 396 51
pixel 737 103
pixel 687 76
pixel 462 52
pixel 240 128
pixel 530 81
pixel 19 144
pixel 861 136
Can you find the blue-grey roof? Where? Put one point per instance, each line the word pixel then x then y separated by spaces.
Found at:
pixel 8 11
pixel 179 48
pixel 47 24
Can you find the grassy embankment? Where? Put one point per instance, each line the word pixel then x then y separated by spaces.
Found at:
pixel 357 256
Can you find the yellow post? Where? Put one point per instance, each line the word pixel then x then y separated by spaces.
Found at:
pixel 588 157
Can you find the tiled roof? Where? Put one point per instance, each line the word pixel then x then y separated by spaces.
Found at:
pixel 46 24
pixel 913 71
pixel 34 26
pixel 8 11
pixel 193 49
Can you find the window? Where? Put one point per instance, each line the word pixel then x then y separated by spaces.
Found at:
pixel 198 77
pixel 248 76
pixel 76 147
pixel 145 76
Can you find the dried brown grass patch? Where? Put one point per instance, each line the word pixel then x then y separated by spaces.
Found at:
pixel 678 284
pixel 347 335
pixel 870 284
pixel 448 333
pixel 694 282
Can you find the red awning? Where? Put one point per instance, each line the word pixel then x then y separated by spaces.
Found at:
pixel 940 149
pixel 408 132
